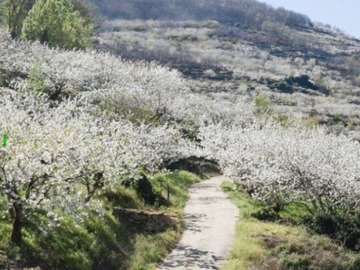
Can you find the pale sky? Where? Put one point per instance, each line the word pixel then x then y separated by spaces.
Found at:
pixel 344 14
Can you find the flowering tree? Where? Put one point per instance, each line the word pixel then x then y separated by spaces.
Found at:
pixel 278 165
pixel 58 156
pixel 69 139
pixel 137 90
pixel 79 122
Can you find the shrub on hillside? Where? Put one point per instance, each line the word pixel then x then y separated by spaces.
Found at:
pixel 57 23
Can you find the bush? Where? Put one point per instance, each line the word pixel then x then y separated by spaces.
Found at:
pixel 266 214
pixel 58 24
pixel 343 229
pixel 36 79
pixel 262 105
pixel 296 262
pixel 145 190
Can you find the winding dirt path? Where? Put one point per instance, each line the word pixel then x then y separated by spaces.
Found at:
pixel 210 228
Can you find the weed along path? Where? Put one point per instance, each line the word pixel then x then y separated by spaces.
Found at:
pixel 210 228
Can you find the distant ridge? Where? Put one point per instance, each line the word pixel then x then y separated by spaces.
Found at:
pixel 243 13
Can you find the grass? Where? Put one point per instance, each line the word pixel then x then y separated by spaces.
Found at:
pixel 109 242
pixel 276 246
pixel 178 183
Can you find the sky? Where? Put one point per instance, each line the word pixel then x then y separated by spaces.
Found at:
pixel 344 14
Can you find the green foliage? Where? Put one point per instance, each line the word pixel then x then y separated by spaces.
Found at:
pixel 122 196
pixel 56 23
pixel 178 183
pixel 150 249
pixel 89 12
pixel 15 14
pixel 350 124
pixel 296 262
pixel 145 190
pixel 266 214
pixel 342 228
pixel 262 104
pixel 67 246
pixel 274 245
pixel 109 242
pixel 337 120
pixel 313 253
pixel 35 81
pixel 311 122
pixel 295 212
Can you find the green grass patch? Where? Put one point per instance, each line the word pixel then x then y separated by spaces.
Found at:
pixel 178 184
pixel 281 245
pixel 109 242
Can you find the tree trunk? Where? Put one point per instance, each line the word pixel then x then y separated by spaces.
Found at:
pixel 16 236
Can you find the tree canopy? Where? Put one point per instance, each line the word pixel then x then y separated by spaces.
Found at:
pixel 57 23
pixel 15 11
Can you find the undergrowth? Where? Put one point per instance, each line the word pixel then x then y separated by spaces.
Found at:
pixel 108 242
pixel 279 242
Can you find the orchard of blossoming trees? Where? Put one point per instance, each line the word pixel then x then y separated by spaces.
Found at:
pixel 57 157
pixel 79 122
pixel 62 147
pixel 280 165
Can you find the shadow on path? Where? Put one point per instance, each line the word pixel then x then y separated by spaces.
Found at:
pixel 192 222
pixel 195 258
pixel 210 220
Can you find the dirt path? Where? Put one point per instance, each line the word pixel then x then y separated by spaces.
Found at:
pixel 210 227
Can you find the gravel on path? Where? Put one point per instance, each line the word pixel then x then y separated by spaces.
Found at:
pixel 210 220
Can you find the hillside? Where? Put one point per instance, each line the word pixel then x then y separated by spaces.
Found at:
pixel 100 146
pixel 247 13
pixel 244 48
